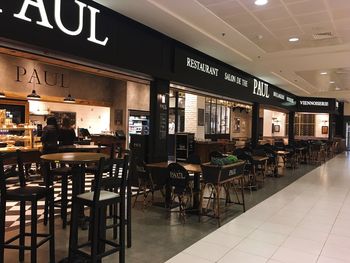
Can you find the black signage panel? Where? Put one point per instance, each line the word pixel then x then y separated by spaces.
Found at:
pixel 217 78
pixel 321 105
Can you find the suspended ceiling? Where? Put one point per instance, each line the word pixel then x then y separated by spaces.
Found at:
pixel 255 38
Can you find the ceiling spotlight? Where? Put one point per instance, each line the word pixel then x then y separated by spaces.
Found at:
pixel 33 96
pixel 69 99
pixel 332 82
pixel 337 88
pixel 323 73
pixel 2 95
pixel 261 2
pixel 293 39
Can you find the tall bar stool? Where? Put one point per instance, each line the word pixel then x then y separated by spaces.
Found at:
pixel 24 194
pixel 98 200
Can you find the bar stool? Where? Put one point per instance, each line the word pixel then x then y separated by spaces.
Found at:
pixel 98 200
pixel 24 194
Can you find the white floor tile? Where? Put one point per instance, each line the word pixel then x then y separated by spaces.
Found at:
pixel 268 237
pixel 257 248
pixel 276 228
pixel 337 252
pixel 305 233
pixel 337 240
pixel 237 229
pixel 304 245
pixel 208 251
pixel 287 255
pixel 182 257
pixel 241 257
pixel 223 239
pixel 323 259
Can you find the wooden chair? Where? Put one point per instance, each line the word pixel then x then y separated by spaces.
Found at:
pixel 24 194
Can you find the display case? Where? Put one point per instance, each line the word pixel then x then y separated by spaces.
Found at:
pixel 184 146
pixel 17 136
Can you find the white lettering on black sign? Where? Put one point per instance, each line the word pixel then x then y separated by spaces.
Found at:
pixel 261 89
pixel 45 22
pixel 176 175
pixel 195 64
pixel 235 79
pixel 314 103
pixel 291 100
pixel 278 95
pixel 232 172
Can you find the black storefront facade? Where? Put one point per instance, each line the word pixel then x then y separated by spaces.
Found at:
pixel 87 32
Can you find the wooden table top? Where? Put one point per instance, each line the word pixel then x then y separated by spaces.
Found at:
pixel 73 157
pixel 282 152
pixel 260 158
pixel 79 147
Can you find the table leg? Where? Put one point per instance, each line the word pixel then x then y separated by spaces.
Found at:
pixel 78 187
pixel 197 189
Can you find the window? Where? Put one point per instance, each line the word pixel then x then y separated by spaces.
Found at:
pixel 304 125
pixel 217 116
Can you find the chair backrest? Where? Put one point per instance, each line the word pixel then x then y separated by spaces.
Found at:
pixel 108 149
pixel 210 173
pixel 178 177
pixel 259 152
pixel 114 181
pixel 215 154
pixel 11 165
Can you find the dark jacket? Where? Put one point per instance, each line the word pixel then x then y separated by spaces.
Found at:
pixel 49 139
pixel 66 136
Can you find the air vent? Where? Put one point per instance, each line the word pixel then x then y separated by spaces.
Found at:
pixel 323 35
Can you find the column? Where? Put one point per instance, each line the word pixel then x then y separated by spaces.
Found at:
pixel 255 124
pixel 291 132
pixel 159 120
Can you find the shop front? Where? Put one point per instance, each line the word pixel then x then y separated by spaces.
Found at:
pixel 115 73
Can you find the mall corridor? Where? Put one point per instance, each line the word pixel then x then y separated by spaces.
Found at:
pixel 308 221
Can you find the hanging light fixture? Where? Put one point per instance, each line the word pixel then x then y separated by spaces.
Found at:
pixel 69 99
pixel 33 96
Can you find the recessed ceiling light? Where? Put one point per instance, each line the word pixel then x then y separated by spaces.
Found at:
pixel 337 88
pixel 323 73
pixel 293 39
pixel 332 82
pixel 261 2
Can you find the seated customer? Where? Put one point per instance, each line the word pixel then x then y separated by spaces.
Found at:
pixel 49 136
pixel 66 133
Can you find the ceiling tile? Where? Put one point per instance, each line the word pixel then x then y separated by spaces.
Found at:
pixel 317 28
pixel 335 4
pixel 226 9
pixel 292 1
pixel 340 13
pixel 252 7
pixel 212 2
pixel 310 6
pixel 277 12
pixel 280 23
pixel 313 18
pixel 342 24
pixel 241 19
pixel 287 32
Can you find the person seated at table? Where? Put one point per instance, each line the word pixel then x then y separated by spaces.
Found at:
pixel 50 135
pixel 66 133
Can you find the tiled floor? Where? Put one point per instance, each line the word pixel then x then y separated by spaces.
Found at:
pixel 308 221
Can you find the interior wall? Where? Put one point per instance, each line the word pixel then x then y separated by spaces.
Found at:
pixel 245 124
pixel 94 118
pixel 321 120
pixel 346 109
pixel 192 104
pixel 276 118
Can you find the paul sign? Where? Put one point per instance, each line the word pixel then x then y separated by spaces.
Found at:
pixel 261 89
pixel 45 22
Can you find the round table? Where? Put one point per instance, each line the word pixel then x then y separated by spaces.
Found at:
pixel 77 160
pixel 81 148
pixel 73 157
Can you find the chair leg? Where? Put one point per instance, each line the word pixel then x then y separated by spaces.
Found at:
pixel 128 218
pixel 64 200
pixel 2 228
pixel 52 227
pixel 34 232
pixel 242 190
pixel 22 229
pixel 122 229
pixel 94 237
pixel 73 236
